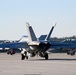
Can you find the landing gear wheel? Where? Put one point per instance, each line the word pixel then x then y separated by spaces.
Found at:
pixel 68 52
pixel 46 56
pixel 73 53
pixel 23 57
pixel 26 57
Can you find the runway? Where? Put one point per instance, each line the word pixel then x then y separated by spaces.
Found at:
pixel 58 64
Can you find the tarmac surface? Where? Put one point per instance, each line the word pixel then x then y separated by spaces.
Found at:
pixel 58 64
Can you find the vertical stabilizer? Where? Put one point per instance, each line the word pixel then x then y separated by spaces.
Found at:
pixel 30 33
pixel 49 35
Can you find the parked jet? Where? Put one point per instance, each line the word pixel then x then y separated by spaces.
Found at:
pixel 69 48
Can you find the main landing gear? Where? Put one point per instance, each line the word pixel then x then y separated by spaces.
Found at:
pixel 44 54
pixel 71 52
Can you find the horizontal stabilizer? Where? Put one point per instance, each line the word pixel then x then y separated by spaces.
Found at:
pixel 42 37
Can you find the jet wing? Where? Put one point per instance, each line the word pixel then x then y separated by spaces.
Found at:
pixel 14 45
pixel 62 45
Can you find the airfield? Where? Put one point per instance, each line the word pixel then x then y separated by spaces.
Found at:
pixel 58 64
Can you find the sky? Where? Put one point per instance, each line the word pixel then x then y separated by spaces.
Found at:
pixel 41 15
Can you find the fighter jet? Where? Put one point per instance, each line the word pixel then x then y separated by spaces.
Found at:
pixel 36 46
